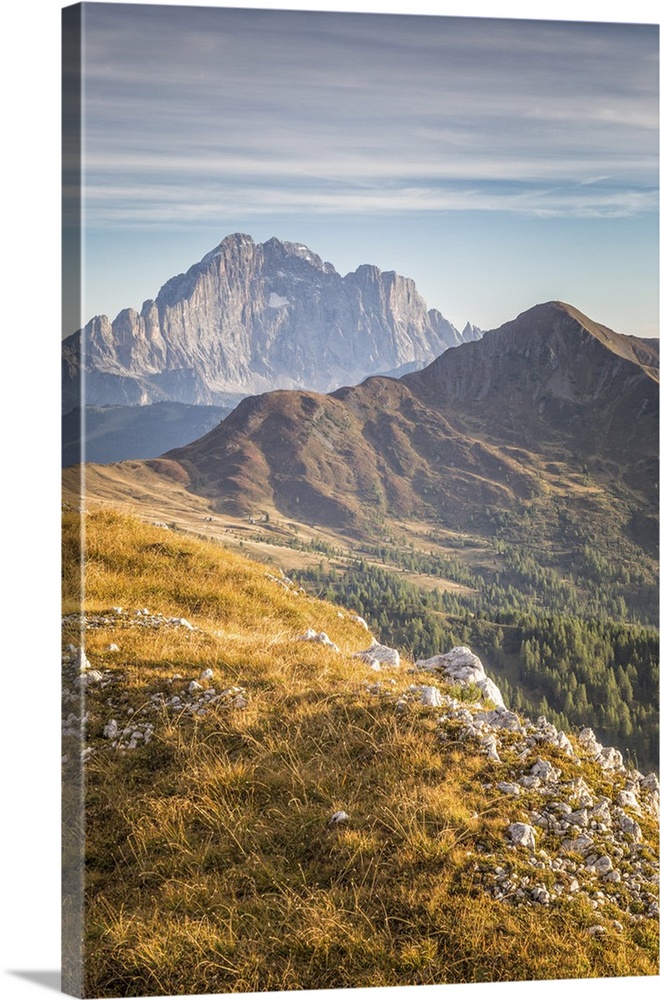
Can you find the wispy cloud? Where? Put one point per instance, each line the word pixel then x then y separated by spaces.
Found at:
pixel 274 112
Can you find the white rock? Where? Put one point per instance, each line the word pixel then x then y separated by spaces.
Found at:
pixel 565 744
pixel 312 636
pixel 522 835
pixel 111 729
pixel 580 792
pixel 588 742
pixel 195 686
pixel 509 787
pixel 544 770
pixel 92 677
pixel 81 662
pixel 578 817
pixel 338 817
pixel 429 695
pixel 603 865
pixel 627 799
pixel 501 718
pixel 113 648
pixel 461 665
pixel 360 621
pixel 489 743
pixel 610 759
pixel 650 783
pixel 385 655
pixel 541 895
pixel 597 930
pixel 581 844
pixel 206 675
pixel 628 826
pixel 601 813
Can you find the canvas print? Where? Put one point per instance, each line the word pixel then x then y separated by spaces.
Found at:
pixel 360 521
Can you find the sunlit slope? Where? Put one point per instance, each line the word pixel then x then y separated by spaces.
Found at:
pixel 289 817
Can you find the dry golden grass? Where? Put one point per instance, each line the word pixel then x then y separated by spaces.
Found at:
pixel 210 862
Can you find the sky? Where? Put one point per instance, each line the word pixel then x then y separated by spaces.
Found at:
pixel 497 162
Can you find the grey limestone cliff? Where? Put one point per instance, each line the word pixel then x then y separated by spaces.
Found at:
pixel 252 317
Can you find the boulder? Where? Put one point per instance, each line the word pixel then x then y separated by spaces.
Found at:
pixel 522 835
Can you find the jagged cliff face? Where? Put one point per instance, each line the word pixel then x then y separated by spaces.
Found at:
pixel 252 317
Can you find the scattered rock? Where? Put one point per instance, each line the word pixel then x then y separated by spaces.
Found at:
pixel 509 788
pixel 312 636
pixel 522 835
pixel 383 655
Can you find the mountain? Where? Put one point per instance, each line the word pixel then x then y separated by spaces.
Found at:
pixel 116 433
pixel 250 317
pixel 548 421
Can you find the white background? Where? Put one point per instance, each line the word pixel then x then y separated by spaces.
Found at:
pixel 29 610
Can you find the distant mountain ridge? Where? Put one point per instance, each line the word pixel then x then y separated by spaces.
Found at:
pixel 518 417
pixel 116 433
pixel 251 317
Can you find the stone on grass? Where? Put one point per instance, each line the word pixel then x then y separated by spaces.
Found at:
pixel 489 743
pixel 544 770
pixel 611 759
pixel 321 637
pixel 386 656
pixel 111 729
pixel 429 695
pixel 627 799
pixel 360 621
pixel 463 667
pixel 522 835
pixel 338 817
pixel 578 845
pixel 80 661
pixel 603 865
pixel 500 718
pixel 509 787
pixel 628 826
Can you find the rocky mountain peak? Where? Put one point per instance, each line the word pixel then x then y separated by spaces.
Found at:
pixel 252 317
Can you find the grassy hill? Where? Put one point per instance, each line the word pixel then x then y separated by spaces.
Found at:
pixel 219 746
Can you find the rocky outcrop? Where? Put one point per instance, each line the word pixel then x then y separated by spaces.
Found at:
pixel 253 317
pixel 463 667
pixel 582 825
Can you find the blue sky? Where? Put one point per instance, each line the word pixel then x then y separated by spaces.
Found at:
pixel 498 163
